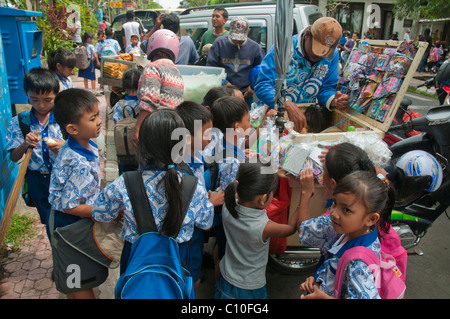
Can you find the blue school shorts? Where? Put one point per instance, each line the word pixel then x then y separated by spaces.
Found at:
pixel 38 190
pixel 225 290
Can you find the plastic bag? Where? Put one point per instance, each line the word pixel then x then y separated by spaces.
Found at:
pixel 278 211
pixel 377 150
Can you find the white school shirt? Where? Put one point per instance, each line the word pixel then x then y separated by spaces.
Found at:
pixel 76 176
pixel 42 159
pixel 114 197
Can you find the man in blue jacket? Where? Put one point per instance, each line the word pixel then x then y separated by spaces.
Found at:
pixel 312 75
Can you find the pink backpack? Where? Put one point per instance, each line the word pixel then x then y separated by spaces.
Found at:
pixel 389 269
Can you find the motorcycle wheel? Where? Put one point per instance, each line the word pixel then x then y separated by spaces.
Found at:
pixel 295 261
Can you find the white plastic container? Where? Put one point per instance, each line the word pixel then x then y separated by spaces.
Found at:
pixel 198 80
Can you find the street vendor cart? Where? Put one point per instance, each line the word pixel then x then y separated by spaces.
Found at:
pixel 197 79
pixel 376 76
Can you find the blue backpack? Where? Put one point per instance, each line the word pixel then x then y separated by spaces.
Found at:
pixel 155 269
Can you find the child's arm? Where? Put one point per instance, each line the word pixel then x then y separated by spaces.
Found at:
pixel 307 181
pixel 216 198
pixel 273 229
pixel 31 140
pixel 97 61
pixel 81 210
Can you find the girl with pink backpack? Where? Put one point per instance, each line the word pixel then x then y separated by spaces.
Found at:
pixel 359 219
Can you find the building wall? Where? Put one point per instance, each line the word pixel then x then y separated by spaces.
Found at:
pixel 397 24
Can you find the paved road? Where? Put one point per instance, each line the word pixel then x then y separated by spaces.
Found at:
pixel 421 103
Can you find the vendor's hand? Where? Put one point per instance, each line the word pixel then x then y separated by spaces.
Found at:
pixel 248 92
pixel 216 198
pixel 340 101
pixel 295 115
pixel 271 114
pixel 307 182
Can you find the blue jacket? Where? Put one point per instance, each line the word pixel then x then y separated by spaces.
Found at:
pixel 305 82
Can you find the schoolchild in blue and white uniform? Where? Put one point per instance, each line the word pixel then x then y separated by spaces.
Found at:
pixel 62 62
pixel 130 84
pixel 41 87
pixel 89 73
pixel 75 179
pixel 198 121
pixel 229 112
pixel 362 203
pixel 160 174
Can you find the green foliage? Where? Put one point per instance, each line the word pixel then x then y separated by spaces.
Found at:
pixel 54 28
pixel 152 5
pixel 428 9
pixel 20 229
pixel 198 3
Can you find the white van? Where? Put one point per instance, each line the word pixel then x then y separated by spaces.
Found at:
pixel 261 16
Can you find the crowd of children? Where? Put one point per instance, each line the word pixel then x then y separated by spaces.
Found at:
pixel 231 195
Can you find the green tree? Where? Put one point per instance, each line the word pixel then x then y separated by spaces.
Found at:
pixel 430 9
pixel 198 3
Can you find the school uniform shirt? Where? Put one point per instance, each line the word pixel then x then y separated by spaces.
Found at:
pixel 197 167
pixel 160 86
pixel 136 49
pixel 358 281
pixel 131 103
pixel 64 83
pixel 109 46
pixel 233 156
pixel 114 197
pixel 90 50
pixel 75 178
pixel 42 159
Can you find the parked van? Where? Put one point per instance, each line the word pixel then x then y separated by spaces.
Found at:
pixel 261 16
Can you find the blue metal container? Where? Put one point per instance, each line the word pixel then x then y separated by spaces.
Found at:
pixel 22 44
pixel 8 169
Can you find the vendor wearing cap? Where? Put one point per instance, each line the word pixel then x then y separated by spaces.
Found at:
pixel 238 55
pixel 313 72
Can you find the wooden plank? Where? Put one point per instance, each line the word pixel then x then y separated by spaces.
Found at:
pixel 400 93
pixel 14 194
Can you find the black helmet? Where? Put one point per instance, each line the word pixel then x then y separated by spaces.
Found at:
pixel 443 75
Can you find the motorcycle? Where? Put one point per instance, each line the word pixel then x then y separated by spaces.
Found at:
pixel 442 85
pixel 416 209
